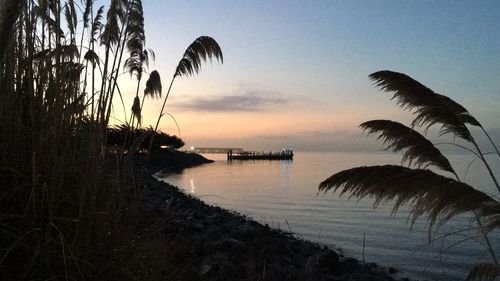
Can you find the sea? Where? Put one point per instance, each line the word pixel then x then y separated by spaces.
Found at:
pixel 284 194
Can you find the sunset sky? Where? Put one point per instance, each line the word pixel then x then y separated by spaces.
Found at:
pixel 295 73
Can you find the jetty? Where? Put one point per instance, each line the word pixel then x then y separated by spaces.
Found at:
pixel 286 154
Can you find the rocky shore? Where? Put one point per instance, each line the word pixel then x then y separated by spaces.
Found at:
pixel 225 245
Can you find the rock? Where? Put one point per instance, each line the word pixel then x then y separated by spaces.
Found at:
pixel 235 247
pixel 360 276
pixel 198 226
pixel 243 230
pixel 392 270
pixel 205 268
pixel 328 260
pixel 225 245
pixel 350 265
pixel 227 271
pixel 312 263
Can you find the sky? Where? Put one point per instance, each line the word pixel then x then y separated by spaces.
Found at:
pixel 295 73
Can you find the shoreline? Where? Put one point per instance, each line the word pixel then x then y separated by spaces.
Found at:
pixel 225 245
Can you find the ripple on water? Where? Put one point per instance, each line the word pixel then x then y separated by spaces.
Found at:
pixel 285 196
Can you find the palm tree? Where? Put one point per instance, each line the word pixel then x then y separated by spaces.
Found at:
pixel 426 192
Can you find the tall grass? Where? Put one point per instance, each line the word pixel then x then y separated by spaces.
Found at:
pixel 65 211
pixel 438 197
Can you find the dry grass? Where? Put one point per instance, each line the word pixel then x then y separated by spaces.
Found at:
pixel 66 211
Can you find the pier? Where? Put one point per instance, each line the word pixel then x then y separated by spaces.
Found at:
pixel 286 154
pixel 216 150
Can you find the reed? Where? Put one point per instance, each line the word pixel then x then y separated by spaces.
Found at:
pixel 67 210
pixel 438 197
pixel 202 49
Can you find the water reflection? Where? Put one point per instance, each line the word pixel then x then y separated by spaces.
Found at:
pixel 284 173
pixel 263 190
pixel 193 188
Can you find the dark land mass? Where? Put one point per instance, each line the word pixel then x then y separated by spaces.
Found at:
pixel 168 162
pixel 217 244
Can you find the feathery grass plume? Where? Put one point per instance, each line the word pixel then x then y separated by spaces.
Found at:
pixel 439 114
pixel 136 40
pixel 70 71
pixel 439 197
pixel 410 94
pixel 417 149
pixel 203 48
pixel 51 23
pixel 136 62
pixel 111 34
pixel 97 24
pixel 423 190
pixel 459 110
pixel 466 117
pixel 92 57
pixel 65 52
pixel 483 272
pixel 493 213
pixel 86 12
pixel 53 6
pixel 71 18
pixel 431 108
pixel 112 38
pixel 136 109
pixel 153 85
pixel 136 37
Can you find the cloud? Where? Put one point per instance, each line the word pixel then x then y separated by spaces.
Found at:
pixel 250 101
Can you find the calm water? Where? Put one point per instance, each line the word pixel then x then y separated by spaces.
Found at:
pixel 284 194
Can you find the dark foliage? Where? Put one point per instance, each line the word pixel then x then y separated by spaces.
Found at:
pixel 117 135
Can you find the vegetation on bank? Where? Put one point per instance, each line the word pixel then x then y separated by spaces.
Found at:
pixel 439 197
pixel 124 137
pixel 66 211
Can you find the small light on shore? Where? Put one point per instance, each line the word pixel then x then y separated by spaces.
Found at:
pixel 163 146
pixel 192 148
